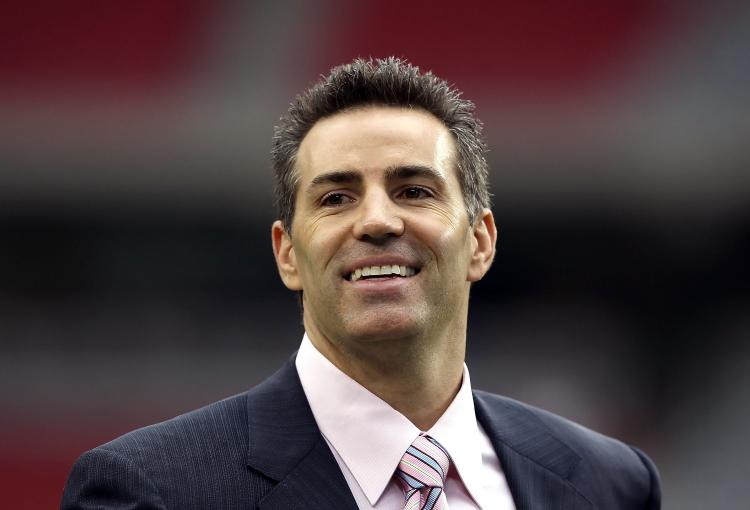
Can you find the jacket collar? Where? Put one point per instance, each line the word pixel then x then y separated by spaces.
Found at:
pixel 285 444
pixel 536 464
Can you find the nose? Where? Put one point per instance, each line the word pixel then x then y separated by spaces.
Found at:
pixel 378 217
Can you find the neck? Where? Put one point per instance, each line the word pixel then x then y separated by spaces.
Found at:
pixel 418 377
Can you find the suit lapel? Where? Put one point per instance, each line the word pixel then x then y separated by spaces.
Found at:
pixel 535 463
pixel 285 444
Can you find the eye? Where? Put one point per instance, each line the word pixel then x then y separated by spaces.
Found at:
pixel 415 193
pixel 335 200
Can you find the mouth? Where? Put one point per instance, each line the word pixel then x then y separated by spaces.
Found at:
pixel 386 271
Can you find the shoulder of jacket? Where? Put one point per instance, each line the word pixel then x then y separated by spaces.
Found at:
pixel 606 463
pixel 225 418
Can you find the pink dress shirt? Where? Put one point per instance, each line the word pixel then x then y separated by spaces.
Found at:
pixel 368 438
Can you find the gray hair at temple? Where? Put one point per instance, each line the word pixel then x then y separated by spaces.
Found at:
pixel 384 82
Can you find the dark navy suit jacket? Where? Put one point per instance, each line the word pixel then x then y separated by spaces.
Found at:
pixel 262 449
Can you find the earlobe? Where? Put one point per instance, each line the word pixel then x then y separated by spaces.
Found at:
pixel 286 260
pixel 484 238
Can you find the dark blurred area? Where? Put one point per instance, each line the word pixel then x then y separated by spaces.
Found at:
pixel 136 274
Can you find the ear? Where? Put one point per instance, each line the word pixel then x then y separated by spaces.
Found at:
pixel 286 260
pixel 484 237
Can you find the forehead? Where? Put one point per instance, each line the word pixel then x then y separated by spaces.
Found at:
pixel 374 139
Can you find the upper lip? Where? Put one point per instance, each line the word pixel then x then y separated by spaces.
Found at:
pixel 381 260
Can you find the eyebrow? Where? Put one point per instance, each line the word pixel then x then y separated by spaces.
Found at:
pixel 335 177
pixel 391 174
pixel 408 171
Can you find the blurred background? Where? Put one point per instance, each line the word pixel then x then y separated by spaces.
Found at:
pixel 136 274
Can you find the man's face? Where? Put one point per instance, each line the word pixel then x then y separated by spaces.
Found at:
pixel 381 244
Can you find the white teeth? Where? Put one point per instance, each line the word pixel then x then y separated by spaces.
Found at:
pixel 381 270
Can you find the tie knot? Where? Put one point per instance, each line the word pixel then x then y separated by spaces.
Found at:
pixel 424 465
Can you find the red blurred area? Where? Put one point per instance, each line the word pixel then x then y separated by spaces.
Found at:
pixel 80 46
pixel 37 457
pixel 526 48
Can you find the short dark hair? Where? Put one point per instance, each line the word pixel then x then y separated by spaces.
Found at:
pixel 386 82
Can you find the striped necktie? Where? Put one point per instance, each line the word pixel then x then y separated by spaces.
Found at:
pixel 422 472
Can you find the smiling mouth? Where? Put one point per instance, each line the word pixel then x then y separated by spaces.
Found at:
pixel 387 271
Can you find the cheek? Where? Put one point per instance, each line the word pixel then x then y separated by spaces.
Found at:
pixel 452 244
pixel 447 226
pixel 317 247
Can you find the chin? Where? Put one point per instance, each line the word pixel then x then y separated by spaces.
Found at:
pixel 383 328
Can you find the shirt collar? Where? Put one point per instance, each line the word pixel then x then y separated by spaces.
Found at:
pixel 371 437
pixel 457 430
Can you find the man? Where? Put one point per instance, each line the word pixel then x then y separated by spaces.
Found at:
pixel 384 225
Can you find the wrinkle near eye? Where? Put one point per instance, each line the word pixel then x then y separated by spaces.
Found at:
pixel 451 214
